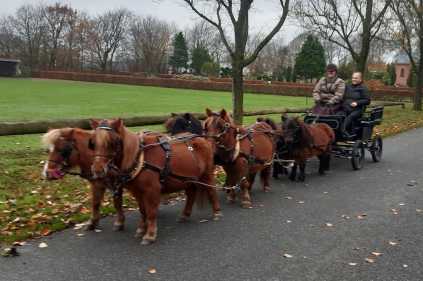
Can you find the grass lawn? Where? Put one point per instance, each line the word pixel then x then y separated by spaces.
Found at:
pixel 35 99
pixel 31 207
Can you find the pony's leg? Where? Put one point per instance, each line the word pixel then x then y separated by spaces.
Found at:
pixel 265 176
pixel 151 201
pixel 251 179
pixel 142 225
pixel 190 194
pixel 277 167
pixel 327 162
pixel 322 164
pixel 97 194
pixel 119 222
pixel 209 179
pixel 301 176
pixel 245 194
pixel 230 182
pixel 293 175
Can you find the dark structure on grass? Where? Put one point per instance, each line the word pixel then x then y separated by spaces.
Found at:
pixel 9 67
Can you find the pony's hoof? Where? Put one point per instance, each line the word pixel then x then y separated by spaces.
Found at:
pixel 217 216
pixel 118 227
pixel 230 199
pixel 91 226
pixel 147 241
pixel 267 189
pixel 246 204
pixel 139 233
pixel 291 178
pixel 183 219
pixel 301 178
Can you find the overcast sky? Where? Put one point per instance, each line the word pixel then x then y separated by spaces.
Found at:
pixel 264 16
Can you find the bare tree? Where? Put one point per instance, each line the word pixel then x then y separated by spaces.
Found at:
pixel 151 39
pixel 106 33
pixel 341 22
pixel 9 42
pixel 57 17
pixel 410 16
pixel 237 14
pixel 30 27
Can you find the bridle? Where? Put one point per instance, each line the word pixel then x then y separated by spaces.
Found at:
pixel 65 154
pixel 217 137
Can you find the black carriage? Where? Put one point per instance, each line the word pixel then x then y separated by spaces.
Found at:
pixel 361 138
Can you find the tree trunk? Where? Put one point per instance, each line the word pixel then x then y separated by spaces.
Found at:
pixel 419 85
pixel 237 92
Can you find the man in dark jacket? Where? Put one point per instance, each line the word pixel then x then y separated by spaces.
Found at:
pixel 356 98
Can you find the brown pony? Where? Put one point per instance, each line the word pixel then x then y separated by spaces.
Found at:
pixel 243 152
pixel 151 164
pixel 306 141
pixel 68 148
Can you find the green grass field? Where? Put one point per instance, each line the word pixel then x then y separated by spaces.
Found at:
pixel 30 206
pixel 35 99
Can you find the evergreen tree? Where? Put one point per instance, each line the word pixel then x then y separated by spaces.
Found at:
pixel 179 59
pixel 310 62
pixel 200 56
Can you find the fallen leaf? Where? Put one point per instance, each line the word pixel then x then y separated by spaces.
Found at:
pixel 80 234
pixel 288 256
pixel 204 220
pixel 288 221
pixel 325 192
pixel 98 230
pixel 42 245
pixel 376 254
pixel 346 217
pixel 329 224
pixel 300 202
pixel 45 232
pixel 401 204
pixel 404 265
pixel 152 270
pixel 288 197
pixel 352 263
pixel 392 243
pixel 19 243
pixel 369 260
pixel 419 210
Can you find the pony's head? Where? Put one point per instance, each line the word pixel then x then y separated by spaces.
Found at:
pixel 184 123
pixel 62 152
pixel 220 127
pixel 295 132
pixel 107 146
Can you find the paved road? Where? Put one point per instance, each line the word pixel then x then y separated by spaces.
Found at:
pixel 250 244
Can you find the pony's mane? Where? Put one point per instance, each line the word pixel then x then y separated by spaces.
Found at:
pixel 51 137
pixel 105 137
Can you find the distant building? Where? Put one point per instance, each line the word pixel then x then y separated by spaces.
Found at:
pixel 9 67
pixel 402 68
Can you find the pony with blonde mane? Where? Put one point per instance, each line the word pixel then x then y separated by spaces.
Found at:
pixel 68 148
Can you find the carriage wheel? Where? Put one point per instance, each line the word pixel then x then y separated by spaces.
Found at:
pixel 376 149
pixel 357 158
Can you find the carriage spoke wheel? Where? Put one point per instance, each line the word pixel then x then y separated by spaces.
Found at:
pixel 357 159
pixel 376 149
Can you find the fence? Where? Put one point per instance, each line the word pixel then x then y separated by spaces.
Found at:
pixel 218 84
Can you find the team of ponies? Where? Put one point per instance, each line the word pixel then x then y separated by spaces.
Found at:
pixel 150 164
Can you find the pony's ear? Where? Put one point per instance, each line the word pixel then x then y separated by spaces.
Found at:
pixel 117 125
pixel 94 123
pixel 223 113
pixel 260 119
pixel 187 116
pixel 173 114
pixel 209 112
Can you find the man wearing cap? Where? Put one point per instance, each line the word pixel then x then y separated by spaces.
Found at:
pixel 329 92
